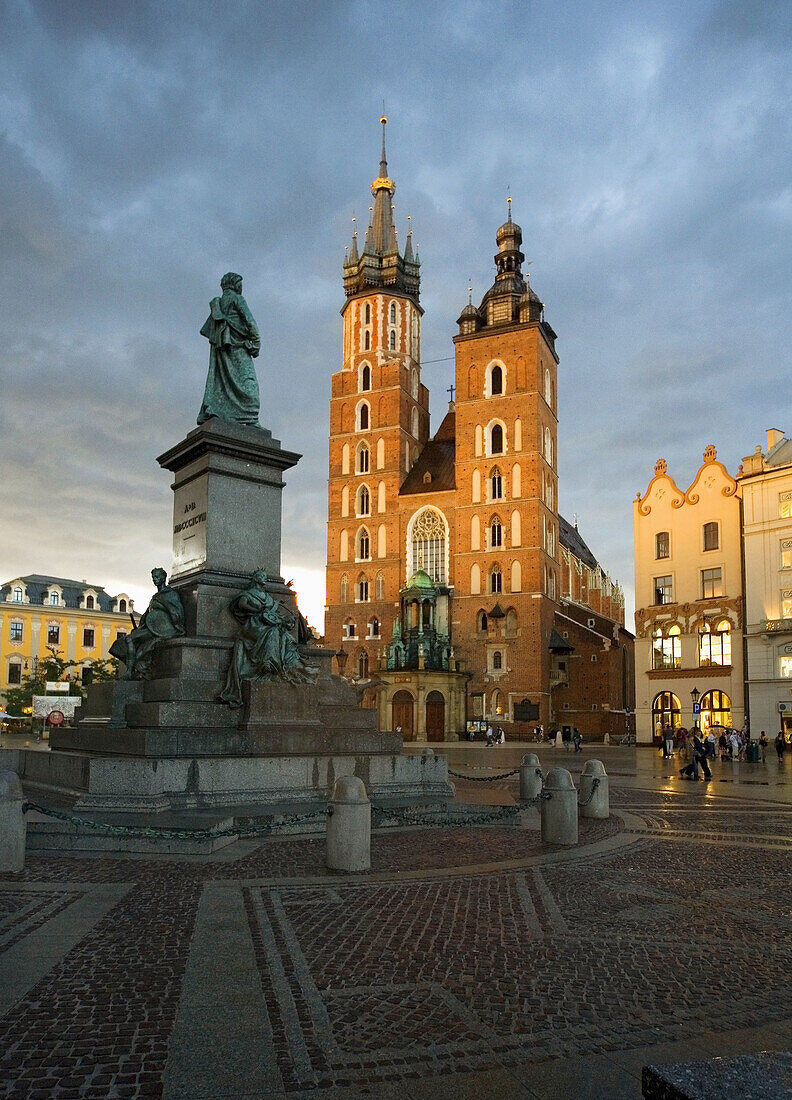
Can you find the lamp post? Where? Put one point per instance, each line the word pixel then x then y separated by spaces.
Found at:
pixel 694 695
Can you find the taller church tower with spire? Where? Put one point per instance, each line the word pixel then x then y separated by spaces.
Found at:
pixel 379 423
pixel 455 590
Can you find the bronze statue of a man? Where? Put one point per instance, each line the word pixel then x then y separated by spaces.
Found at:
pixel 232 391
pixel 164 618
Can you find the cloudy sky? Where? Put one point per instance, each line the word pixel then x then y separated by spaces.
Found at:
pixel 148 147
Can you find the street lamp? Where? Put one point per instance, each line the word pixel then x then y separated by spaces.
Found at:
pixel 694 695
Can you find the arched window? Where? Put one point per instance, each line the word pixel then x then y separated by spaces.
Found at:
pixel 497 660
pixel 345 501
pixel 374 628
pixel 715 646
pixel 363 459
pixel 475 487
pixel 367 340
pixel 665 712
pixel 516 528
pixel 495 484
pixel 495 579
pixel 17 595
pixel 379 587
pixel 89 602
pixel 414 385
pixel 343 546
pixel 414 423
pixel 548 447
pixel 365 377
pixel 363 503
pixel 516 491
pixel 496 439
pixel 363 417
pixel 478 437
pixel 666 647
pixel 495 533
pixel 345 459
pixel 122 605
pixel 475 580
pixel 475 533
pixel 518 434
pixel 427 542
pixel 497 704
pixel 362 589
pixel 344 588
pixel 363 665
pixel 382 541
pixel 547 393
pixel 515 580
pixel 363 545
pixel 496 380
pixel 54 599
pixel 393 313
pixel 350 630
pixel 715 709
pixel 482 622
pixel 392 340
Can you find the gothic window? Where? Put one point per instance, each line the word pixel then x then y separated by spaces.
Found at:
pixel 363 501
pixel 363 459
pixel 482 621
pixel 17 630
pixel 345 459
pixel 363 665
pixel 475 533
pixel 367 314
pixel 548 447
pixel 393 313
pixel 379 587
pixel 414 385
pixel 496 380
pixel 496 579
pixel 663 544
pixel 516 579
pixel 710 536
pixel 362 589
pixel 363 417
pixel 475 579
pixel 367 340
pixel 365 377
pixel 547 392
pixel 516 528
pixel 475 487
pixel 496 439
pixel 516 481
pixel 495 533
pixel 343 546
pixel 344 589
pixel 497 660
pixel 363 545
pixel 392 340
pixel 496 484
pixel 414 423
pixel 427 544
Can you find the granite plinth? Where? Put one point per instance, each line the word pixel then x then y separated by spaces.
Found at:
pixel 765 1076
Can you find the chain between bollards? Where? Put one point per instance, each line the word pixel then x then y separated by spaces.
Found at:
pixel 594 784
pixel 483 778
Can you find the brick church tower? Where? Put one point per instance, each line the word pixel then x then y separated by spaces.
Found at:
pixel 379 423
pixel 506 522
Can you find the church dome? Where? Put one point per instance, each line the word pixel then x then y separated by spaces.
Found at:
pixel 420 579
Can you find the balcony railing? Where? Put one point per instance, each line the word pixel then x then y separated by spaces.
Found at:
pixel 557 676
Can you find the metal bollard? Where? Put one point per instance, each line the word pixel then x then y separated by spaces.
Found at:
pixel 530 777
pixel 349 826
pixel 560 809
pixel 594 802
pixel 13 827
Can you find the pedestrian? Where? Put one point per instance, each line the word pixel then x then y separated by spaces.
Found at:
pixel 490 736
pixel 576 738
pixel 689 769
pixel 779 746
pixel 710 744
pixel 763 746
pixel 669 741
pixel 701 755
pixel 566 738
pixel 723 745
pixel 736 747
pixel 501 738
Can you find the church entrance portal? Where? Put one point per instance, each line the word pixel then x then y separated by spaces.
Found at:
pixel 404 714
pixel 435 716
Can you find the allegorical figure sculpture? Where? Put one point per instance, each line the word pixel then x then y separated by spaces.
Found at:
pixel 265 648
pixel 232 391
pixel 164 618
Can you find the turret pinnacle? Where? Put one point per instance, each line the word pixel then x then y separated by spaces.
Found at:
pixel 380 263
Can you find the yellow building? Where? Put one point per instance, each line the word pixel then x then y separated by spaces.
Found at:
pixel 80 621
pixel 688 598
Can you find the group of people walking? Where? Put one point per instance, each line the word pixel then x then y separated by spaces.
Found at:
pixel 696 749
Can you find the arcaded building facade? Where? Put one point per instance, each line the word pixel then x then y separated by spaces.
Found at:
pixel 453 584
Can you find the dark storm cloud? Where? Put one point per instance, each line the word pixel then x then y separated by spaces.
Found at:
pixel 146 148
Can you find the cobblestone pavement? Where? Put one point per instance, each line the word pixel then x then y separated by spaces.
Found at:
pixel 470 962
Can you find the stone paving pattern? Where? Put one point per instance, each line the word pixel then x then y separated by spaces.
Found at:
pixel 436 975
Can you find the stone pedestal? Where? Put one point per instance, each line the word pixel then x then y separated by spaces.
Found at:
pixel 167 744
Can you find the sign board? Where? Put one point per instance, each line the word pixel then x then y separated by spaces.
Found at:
pixel 44 705
pixel 55 718
pixel 697 708
pixel 54 686
pixel 190 503
pixel 526 711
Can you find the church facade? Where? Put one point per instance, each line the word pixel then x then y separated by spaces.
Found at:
pixel 454 587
